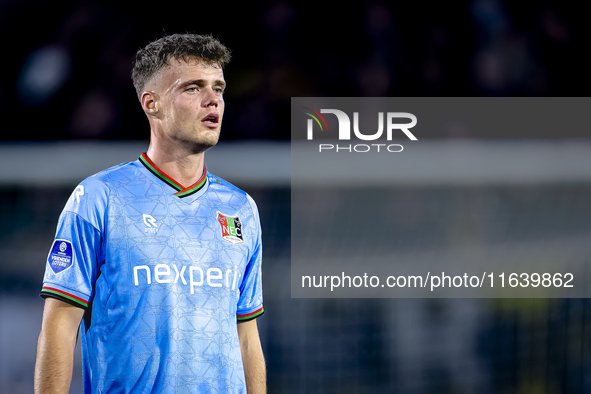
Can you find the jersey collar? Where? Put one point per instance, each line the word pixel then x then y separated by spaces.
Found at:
pixel 181 191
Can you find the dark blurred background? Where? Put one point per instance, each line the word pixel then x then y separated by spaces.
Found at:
pixel 67 63
pixel 65 77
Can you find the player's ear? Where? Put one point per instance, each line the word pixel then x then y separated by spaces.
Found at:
pixel 149 102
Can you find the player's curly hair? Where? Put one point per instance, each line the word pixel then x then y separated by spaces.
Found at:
pixel 157 55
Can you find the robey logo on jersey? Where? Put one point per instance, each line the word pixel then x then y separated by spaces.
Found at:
pixel 150 222
pixel 77 193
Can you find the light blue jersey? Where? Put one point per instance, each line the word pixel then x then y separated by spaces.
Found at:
pixel 164 273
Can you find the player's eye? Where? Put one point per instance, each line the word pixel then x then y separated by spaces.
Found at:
pixel 192 89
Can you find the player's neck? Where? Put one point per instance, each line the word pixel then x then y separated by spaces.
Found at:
pixel 185 168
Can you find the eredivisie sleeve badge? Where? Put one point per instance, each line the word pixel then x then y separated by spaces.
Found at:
pixel 60 255
pixel 231 228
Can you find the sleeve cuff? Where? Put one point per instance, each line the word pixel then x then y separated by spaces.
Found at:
pixel 244 317
pixel 62 295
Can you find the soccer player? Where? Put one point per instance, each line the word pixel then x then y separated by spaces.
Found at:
pixel 158 261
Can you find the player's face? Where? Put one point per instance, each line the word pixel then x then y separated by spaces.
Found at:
pixel 191 103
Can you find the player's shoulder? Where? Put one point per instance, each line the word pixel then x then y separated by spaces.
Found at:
pixel 221 185
pixel 107 178
pixel 96 188
pixel 116 173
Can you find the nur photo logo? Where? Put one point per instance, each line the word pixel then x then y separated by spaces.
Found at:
pixel 388 122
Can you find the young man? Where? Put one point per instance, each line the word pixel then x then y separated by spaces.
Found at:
pixel 157 260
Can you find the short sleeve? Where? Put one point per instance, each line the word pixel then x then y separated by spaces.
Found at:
pixel 250 304
pixel 74 259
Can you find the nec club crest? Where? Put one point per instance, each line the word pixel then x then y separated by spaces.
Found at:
pixel 231 228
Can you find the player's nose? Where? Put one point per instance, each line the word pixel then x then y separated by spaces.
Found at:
pixel 210 99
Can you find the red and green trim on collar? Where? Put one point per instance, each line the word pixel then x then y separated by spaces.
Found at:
pixel 181 190
pixel 61 295
pixel 249 316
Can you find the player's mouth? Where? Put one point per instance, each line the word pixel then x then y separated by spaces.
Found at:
pixel 211 120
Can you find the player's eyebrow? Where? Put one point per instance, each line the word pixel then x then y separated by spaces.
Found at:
pixel 201 82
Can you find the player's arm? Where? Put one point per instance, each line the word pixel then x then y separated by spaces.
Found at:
pixel 55 347
pixel 252 357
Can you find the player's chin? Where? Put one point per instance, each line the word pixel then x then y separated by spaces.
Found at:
pixel 206 142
